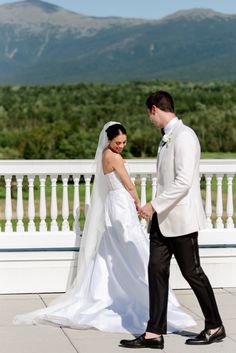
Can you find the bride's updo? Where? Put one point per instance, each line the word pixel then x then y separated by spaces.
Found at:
pixel 115 130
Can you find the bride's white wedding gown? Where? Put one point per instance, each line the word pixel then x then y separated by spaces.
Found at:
pixel 113 296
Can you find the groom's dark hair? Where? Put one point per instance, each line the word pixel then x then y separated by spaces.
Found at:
pixel 161 100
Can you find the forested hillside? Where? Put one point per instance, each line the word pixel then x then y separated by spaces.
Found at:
pixel 63 121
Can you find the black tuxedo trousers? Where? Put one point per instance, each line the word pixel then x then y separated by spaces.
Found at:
pixel 186 252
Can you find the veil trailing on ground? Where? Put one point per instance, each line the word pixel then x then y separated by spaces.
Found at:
pixel 92 234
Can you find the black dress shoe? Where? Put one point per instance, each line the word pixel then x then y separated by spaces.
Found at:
pixel 142 342
pixel 205 337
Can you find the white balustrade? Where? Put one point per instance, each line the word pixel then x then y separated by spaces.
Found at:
pixel 48 187
pixel 218 174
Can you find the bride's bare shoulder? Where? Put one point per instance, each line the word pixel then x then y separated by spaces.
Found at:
pixel 111 161
pixel 109 155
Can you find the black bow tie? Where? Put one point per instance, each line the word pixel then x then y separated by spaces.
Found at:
pixel 162 132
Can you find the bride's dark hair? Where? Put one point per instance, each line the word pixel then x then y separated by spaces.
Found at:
pixel 115 130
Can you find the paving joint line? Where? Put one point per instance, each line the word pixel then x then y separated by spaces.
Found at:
pixel 229 292
pixel 68 338
pixel 61 328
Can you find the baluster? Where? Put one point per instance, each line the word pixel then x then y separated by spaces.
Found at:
pixel 8 205
pixel 53 210
pixel 65 204
pixel 31 206
pixel 154 186
pixel 219 202
pixel 208 205
pixel 0 217
pixel 87 179
pixel 143 190
pixel 133 179
pixel 76 206
pixel 143 197
pixel 42 207
pixel 230 206
pixel 19 205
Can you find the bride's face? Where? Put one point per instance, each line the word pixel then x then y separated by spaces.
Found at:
pixel 118 143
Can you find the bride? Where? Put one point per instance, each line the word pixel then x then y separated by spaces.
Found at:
pixel 110 291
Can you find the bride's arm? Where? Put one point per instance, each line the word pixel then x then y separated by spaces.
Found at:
pixel 119 167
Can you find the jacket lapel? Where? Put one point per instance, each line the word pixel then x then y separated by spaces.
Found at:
pixel 161 150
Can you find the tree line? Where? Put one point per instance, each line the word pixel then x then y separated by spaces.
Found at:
pixel 64 121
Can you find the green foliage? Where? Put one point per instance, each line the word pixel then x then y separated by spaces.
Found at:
pixel 63 121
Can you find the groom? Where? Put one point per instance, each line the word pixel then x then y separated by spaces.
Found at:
pixel 177 215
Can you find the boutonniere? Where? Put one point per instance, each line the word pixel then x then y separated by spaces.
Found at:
pixel 167 138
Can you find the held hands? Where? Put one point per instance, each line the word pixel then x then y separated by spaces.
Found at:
pixel 138 207
pixel 146 211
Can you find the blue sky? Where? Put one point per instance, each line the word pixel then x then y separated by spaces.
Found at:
pixel 151 9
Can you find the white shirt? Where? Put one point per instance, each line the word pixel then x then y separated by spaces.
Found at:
pixel 170 125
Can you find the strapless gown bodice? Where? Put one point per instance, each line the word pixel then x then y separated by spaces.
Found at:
pixel 113 181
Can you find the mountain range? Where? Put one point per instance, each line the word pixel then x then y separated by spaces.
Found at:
pixel 41 43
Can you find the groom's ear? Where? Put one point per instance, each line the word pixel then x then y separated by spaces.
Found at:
pixel 153 109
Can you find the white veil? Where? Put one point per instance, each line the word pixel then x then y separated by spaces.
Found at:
pixel 94 223
pixel 92 234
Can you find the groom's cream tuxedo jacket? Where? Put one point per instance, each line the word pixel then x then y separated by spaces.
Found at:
pixel 178 201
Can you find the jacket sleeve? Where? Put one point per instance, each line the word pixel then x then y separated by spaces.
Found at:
pixel 186 155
